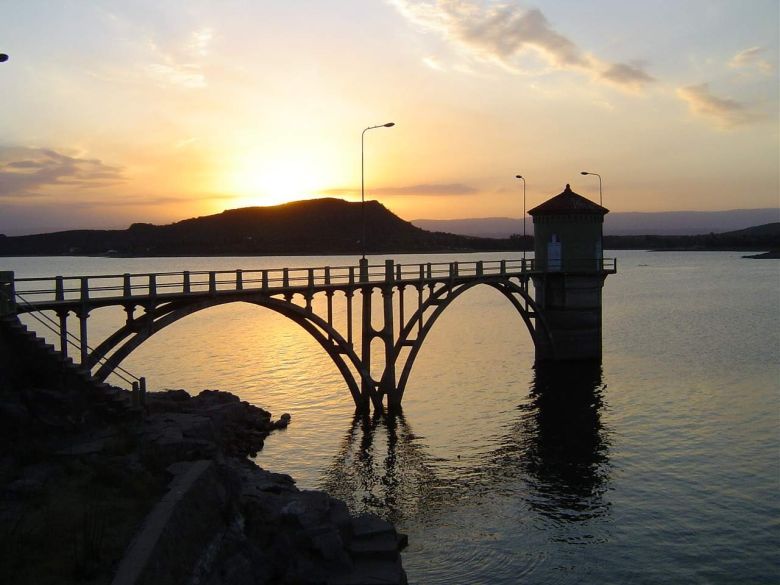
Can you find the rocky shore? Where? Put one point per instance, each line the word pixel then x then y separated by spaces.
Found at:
pixel 95 491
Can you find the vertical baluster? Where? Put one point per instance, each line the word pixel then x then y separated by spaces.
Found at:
pixel 213 282
pixel 239 279
pixel 186 286
pixel 127 289
pixel 84 289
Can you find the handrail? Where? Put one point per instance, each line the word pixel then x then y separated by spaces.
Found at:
pixel 53 326
pixel 91 287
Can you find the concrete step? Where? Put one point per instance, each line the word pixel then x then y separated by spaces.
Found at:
pixel 116 399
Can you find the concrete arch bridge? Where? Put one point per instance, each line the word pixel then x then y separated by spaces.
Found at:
pixel 563 318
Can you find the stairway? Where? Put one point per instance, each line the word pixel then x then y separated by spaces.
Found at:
pixel 31 360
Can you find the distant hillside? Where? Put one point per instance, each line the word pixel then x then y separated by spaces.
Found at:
pixel 319 226
pixel 482 227
pixel 762 237
pixel 677 223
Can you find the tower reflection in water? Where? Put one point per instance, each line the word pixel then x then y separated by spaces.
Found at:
pixel 562 444
pixel 553 453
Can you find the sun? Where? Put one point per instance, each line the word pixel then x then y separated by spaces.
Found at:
pixel 262 180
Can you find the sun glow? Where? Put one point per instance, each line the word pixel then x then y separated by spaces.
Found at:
pixel 260 180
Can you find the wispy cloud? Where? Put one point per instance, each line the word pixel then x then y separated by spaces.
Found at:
pixel 501 32
pixel 181 64
pixel 751 58
pixel 422 189
pixel 723 111
pixel 200 41
pixel 627 75
pixel 29 171
pixel 179 74
pixel 433 63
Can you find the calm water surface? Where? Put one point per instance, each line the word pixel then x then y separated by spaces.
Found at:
pixel 663 466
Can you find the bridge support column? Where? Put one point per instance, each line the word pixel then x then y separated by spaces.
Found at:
pixel 63 316
pixel 83 315
pixel 367 334
pixel 388 383
pixel 571 304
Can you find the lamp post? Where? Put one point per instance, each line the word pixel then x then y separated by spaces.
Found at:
pixel 522 178
pixel 601 242
pixel 363 182
pixel 599 176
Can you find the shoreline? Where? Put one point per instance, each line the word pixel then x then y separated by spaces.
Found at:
pixel 194 508
pixel 123 491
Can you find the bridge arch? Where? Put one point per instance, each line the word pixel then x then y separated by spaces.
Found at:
pixel 441 298
pixel 129 337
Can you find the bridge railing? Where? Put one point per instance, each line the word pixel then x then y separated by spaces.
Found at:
pixel 129 285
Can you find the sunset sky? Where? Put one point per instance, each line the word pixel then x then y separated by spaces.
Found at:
pixel 115 111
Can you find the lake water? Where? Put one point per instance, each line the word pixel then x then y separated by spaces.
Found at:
pixel 662 466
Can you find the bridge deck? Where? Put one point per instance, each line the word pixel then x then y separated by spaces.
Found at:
pixel 72 292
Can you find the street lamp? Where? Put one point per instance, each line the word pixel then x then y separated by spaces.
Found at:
pixel 601 242
pixel 363 182
pixel 522 178
pixel 599 176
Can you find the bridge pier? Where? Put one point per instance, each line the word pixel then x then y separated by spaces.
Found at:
pixel 388 384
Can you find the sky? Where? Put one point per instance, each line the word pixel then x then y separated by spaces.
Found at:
pixel 114 112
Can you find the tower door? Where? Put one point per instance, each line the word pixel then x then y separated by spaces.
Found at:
pixel 554 254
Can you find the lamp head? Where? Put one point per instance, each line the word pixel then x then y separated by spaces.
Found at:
pixel 584 173
pixel 389 125
pixel 3 57
pixel 519 177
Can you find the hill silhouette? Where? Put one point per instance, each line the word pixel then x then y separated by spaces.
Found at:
pixel 318 226
pixel 760 237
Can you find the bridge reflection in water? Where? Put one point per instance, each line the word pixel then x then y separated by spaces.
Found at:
pixel 554 455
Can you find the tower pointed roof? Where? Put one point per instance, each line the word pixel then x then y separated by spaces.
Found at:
pixel 568 202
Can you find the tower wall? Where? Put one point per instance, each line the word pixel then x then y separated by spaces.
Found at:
pixel 568 276
pixel 571 304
